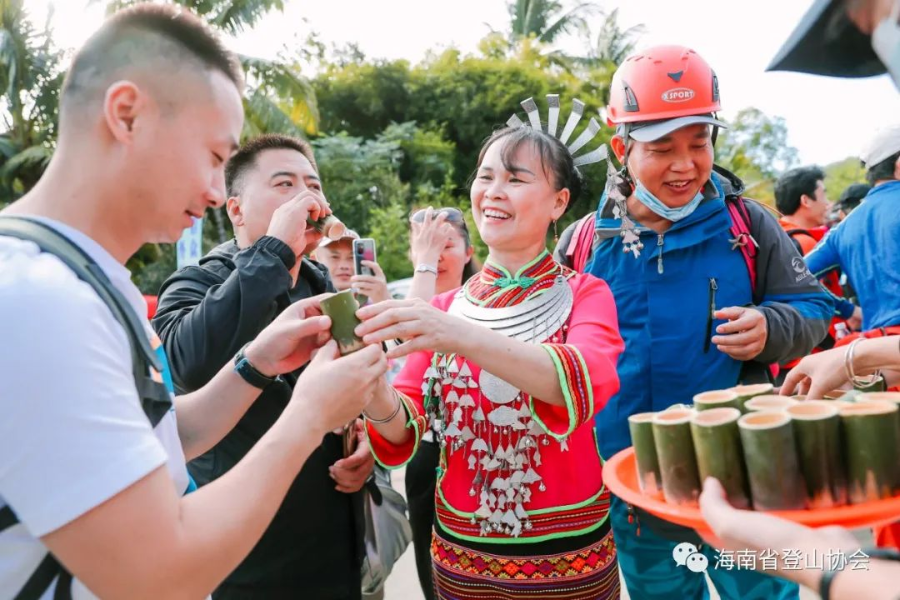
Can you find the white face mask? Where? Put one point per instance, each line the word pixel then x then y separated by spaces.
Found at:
pixel 886 43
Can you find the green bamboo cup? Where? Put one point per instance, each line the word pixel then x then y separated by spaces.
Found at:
pixel 745 392
pixel 330 226
pixel 717 399
pixel 677 461
pixel 717 444
pixel 342 308
pixel 769 402
pixel 842 395
pixel 876 384
pixel 817 431
pixel 893 397
pixel 770 455
pixel 641 427
pixel 872 445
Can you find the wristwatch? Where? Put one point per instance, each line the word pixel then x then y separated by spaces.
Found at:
pixel 248 372
pixel 425 268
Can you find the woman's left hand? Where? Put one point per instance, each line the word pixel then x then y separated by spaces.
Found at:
pixel 420 325
pixel 373 286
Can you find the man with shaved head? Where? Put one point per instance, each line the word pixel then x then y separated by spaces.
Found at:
pixel 92 482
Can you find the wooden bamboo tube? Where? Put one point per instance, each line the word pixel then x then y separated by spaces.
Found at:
pixel 677 462
pixel 717 444
pixel 872 446
pixel 745 392
pixel 893 397
pixel 342 308
pixel 641 427
pixel 717 399
pixel 769 402
pixel 330 226
pixel 817 431
pixel 843 395
pixel 771 457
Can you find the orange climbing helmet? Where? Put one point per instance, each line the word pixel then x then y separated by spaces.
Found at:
pixel 672 86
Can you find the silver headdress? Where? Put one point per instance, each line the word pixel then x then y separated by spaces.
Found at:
pixel 534 121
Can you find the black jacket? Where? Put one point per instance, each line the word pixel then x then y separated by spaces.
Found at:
pixel 206 314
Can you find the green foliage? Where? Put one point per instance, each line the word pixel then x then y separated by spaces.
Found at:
pixel 841 175
pixel 231 16
pixel 755 148
pixel 30 79
pixel 547 20
pixel 390 228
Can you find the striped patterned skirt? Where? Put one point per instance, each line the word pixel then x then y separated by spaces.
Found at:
pixel 590 573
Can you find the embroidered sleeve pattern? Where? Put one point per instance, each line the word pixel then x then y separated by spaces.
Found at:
pixel 392 456
pixel 575 383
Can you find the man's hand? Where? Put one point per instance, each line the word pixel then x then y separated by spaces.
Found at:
pixel 289 224
pixel 333 390
pixel 289 341
pixel 745 334
pixel 351 473
pixel 855 320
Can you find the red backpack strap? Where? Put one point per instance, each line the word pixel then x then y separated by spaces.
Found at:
pixel 578 252
pixel 740 229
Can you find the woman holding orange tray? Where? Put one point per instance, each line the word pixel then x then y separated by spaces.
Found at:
pixel 512 368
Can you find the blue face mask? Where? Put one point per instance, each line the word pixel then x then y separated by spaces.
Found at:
pixel 670 214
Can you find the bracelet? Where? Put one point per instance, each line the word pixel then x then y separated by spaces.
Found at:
pixel 249 373
pixel 830 574
pixel 848 367
pixel 393 414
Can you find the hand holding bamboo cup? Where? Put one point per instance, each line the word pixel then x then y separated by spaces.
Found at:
pixel 342 307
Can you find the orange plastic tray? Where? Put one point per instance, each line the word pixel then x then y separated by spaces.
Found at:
pixel 620 475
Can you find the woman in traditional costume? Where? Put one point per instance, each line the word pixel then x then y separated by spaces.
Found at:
pixel 512 368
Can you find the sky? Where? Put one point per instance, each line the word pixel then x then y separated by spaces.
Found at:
pixel 827 119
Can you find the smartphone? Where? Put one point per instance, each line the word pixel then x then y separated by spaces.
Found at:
pixel 363 249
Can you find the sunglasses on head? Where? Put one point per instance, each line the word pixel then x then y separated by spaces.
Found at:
pixel 452 215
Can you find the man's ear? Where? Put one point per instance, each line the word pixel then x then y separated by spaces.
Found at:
pixel 806 200
pixel 897 169
pixel 123 104
pixel 235 211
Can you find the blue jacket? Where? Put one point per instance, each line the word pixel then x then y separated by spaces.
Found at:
pixel 665 318
pixel 866 246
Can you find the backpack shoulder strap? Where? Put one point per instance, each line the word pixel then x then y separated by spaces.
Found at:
pixel 580 247
pixel 155 399
pixel 740 229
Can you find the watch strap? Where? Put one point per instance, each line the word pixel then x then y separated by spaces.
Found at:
pixel 249 373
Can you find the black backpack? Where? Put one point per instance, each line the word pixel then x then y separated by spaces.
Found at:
pixel 155 398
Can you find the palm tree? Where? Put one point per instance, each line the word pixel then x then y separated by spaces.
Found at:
pixel 547 20
pixel 30 78
pixel 614 44
pixel 278 99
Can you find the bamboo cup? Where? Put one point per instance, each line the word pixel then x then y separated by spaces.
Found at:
pixel 893 397
pixel 842 395
pixel 330 226
pixel 876 385
pixel 745 392
pixel 872 443
pixel 717 399
pixel 342 308
pixel 641 427
pixel 677 462
pixel 817 431
pixel 769 402
pixel 771 457
pixel 717 444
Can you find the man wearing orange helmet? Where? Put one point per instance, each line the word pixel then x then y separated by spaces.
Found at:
pixel 709 290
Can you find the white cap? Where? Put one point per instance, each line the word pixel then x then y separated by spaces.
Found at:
pixel 885 144
pixel 349 234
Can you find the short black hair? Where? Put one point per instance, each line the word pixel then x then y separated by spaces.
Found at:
pixel 145 34
pixel 791 186
pixel 883 171
pixel 556 160
pixel 245 158
pixel 852 196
